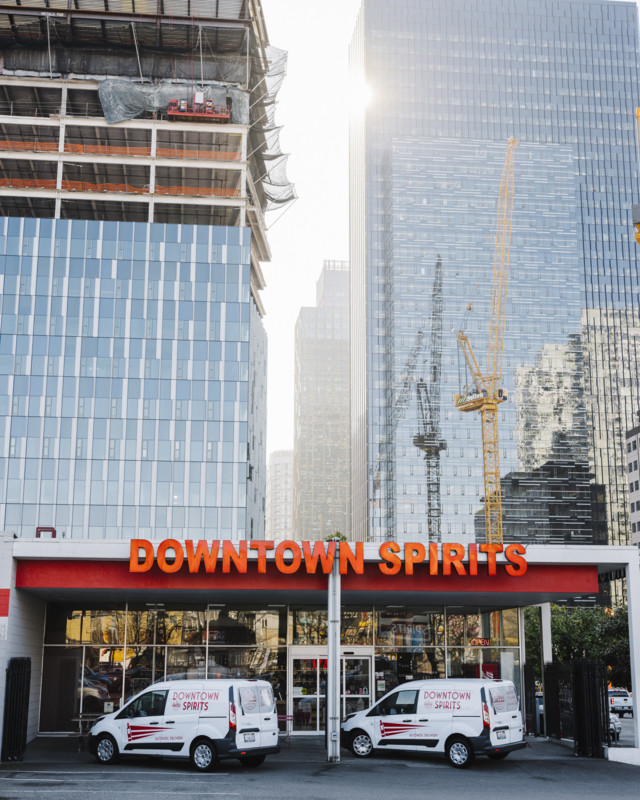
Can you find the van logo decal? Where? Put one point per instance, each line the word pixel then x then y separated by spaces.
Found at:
pixel 135 732
pixel 395 728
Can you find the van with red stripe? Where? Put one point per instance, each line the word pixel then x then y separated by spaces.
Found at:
pixel 202 720
pixel 459 718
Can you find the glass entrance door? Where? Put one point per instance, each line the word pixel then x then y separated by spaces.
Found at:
pixel 308 685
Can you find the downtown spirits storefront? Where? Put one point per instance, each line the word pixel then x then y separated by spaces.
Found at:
pixel 100 621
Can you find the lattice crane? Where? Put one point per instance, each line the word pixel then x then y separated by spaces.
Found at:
pixel 428 439
pixel 484 394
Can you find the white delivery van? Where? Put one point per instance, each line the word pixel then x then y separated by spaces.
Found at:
pixel 203 720
pixel 460 718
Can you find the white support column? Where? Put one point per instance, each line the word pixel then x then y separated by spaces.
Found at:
pixel 546 651
pixel 633 606
pixel 333 660
pixel 243 180
pixel 546 645
pixel 631 755
pixel 152 171
pixel 60 164
pixel 522 648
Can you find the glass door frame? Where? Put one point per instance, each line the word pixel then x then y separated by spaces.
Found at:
pixel 319 652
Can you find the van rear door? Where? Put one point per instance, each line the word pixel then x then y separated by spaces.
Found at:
pixel 504 711
pixel 268 717
pixel 249 718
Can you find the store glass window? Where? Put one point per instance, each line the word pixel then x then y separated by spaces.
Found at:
pixel 484 662
pixel 409 627
pixel 357 626
pixel 262 627
pixel 483 628
pixel 307 626
pixel 396 666
pixel 185 663
pixel 144 666
pixel 89 626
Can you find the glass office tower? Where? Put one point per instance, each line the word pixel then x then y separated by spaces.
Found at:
pixel 132 231
pixel 451 82
pixel 127 370
pixel 321 491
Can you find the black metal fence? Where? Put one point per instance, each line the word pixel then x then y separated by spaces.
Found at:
pixel 575 705
pixel 16 709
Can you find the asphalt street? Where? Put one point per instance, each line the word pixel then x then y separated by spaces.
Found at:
pixel 53 768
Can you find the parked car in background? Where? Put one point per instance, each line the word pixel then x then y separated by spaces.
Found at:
pixel 615 727
pixel 620 702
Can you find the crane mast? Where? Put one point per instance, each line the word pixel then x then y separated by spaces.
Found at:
pixel 484 393
pixel 429 440
pixel 426 377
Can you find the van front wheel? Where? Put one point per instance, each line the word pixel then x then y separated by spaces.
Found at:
pixel 106 749
pixel 203 755
pixel 459 752
pixel 361 745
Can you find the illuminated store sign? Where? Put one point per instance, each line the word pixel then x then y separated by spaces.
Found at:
pixel 289 557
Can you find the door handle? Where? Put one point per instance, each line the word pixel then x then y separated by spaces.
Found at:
pixel 154 723
pixel 423 720
pixel 406 720
pixel 170 722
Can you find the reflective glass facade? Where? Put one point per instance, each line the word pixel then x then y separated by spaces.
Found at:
pixel 132 379
pixel 451 82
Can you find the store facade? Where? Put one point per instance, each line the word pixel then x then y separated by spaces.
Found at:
pixel 104 620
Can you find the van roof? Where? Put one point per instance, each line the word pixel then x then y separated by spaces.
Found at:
pixel 220 682
pixel 466 681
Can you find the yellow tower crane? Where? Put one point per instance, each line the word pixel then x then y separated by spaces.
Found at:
pixel 484 393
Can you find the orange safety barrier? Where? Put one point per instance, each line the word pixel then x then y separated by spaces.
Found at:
pixel 196 191
pixel 84 186
pixel 48 147
pixel 106 150
pixel 96 149
pixel 215 155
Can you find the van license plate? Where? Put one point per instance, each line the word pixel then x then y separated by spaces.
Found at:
pixel 249 737
pixel 501 734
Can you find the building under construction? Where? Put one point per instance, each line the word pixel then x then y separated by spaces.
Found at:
pixel 138 156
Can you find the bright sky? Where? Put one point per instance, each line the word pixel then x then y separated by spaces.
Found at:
pixel 313 108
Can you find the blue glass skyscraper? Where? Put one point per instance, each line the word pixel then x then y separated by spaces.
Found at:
pixel 451 82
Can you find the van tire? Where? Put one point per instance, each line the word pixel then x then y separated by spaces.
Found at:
pixel 106 749
pixel 459 752
pixel 252 761
pixel 361 745
pixel 203 755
